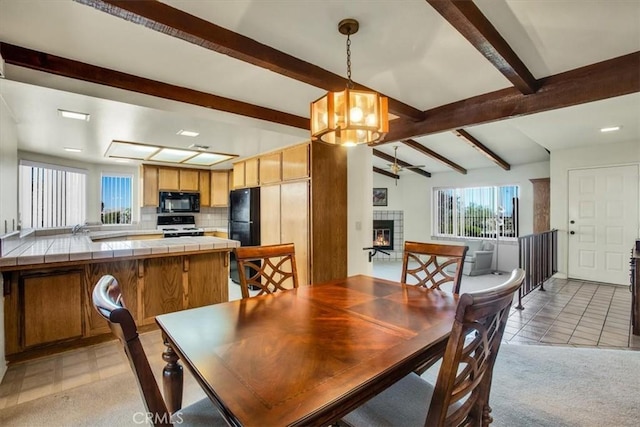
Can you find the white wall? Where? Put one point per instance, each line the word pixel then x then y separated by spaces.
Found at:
pixel 564 160
pixel 413 195
pixel 360 209
pixel 8 195
pixel 94 175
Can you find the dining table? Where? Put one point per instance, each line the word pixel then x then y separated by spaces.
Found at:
pixel 305 356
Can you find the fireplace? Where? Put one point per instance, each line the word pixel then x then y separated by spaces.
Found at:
pixel 383 234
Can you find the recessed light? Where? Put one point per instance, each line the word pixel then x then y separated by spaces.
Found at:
pixel 74 115
pixel 72 150
pixel 187 133
pixel 610 129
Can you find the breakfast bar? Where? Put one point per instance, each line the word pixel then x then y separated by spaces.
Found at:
pixel 48 282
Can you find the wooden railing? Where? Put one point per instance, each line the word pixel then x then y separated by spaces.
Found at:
pixel 538 255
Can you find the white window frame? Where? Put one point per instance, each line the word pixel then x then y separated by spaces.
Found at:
pixel 67 201
pixel 130 195
pixel 482 196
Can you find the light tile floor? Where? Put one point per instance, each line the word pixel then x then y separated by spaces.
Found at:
pixel 569 312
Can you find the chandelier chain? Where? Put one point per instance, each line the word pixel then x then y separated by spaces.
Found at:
pixel 349 82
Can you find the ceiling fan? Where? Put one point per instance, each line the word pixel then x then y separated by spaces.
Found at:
pixel 395 167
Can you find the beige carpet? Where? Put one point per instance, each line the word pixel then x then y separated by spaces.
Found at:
pixel 533 386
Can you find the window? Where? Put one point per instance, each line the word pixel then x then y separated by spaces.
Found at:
pixel 116 199
pixel 476 212
pixel 51 196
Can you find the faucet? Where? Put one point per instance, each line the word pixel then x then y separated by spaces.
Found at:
pixel 78 227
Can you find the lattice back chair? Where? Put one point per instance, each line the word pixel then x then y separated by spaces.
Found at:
pixel 270 268
pixel 107 300
pixel 461 393
pixel 433 259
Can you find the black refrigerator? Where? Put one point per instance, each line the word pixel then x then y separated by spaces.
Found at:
pixel 244 222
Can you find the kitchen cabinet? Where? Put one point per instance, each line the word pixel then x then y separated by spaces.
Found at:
pixel 168 179
pixel 238 175
pixel 251 173
pixel 149 185
pixel 219 188
pixel 310 211
pixel 189 179
pixel 51 306
pixel 270 168
pixel 295 162
pixel 204 187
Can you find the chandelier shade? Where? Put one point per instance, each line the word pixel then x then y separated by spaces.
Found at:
pixel 352 116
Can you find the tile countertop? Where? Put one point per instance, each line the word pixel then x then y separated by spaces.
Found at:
pixel 67 247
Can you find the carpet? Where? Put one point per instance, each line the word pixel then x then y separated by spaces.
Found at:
pixel 533 386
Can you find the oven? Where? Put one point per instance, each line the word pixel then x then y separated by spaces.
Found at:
pixel 178 226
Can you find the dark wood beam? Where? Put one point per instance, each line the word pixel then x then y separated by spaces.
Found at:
pixel 176 23
pixel 424 150
pixel 387 173
pixel 469 139
pixel 595 82
pixel 465 17
pixel 40 61
pixel 402 163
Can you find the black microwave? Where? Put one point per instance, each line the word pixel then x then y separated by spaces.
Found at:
pixel 176 201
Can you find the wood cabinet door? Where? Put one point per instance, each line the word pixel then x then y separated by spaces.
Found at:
pixel 163 291
pixel 251 173
pixel 270 215
pixel 294 224
pixel 238 175
pixel 204 188
pixel 205 286
pixel 189 179
pixel 219 188
pixel 295 162
pixel 149 186
pixel 271 168
pixel 168 179
pixel 52 307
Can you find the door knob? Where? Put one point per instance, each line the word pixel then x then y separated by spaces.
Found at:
pixel 572 232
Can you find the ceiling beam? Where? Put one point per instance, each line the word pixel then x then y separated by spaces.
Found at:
pixel 386 173
pixel 40 61
pixel 176 23
pixel 402 163
pixel 465 17
pixel 424 150
pixel 469 139
pixel 595 82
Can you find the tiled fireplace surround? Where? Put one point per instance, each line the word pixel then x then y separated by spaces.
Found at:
pixel 398 234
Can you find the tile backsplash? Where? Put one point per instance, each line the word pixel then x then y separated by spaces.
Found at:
pixel 207 217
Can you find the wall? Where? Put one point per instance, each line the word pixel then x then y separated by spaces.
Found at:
pixel 413 193
pixel 94 175
pixel 564 160
pixel 8 194
pixel 360 210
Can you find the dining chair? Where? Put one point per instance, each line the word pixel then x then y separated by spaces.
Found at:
pixel 460 395
pixel 107 300
pixel 268 269
pixel 433 259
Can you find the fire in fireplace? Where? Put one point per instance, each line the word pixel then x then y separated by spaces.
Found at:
pixel 383 234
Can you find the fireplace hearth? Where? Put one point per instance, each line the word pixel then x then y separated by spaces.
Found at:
pixel 383 234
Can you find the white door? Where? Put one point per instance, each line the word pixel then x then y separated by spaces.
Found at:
pixel 603 222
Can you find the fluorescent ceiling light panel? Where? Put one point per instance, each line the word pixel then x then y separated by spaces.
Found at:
pixel 74 115
pixel 187 133
pixel 207 159
pixel 130 150
pixel 172 155
pixel 72 150
pixel 610 129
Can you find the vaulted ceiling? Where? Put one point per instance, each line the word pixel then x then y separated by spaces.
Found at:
pixel 488 83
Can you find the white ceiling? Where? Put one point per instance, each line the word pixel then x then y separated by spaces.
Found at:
pixel 404 49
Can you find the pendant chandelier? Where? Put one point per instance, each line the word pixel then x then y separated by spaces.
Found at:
pixel 352 116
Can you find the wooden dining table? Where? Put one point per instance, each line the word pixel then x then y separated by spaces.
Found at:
pixel 305 356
